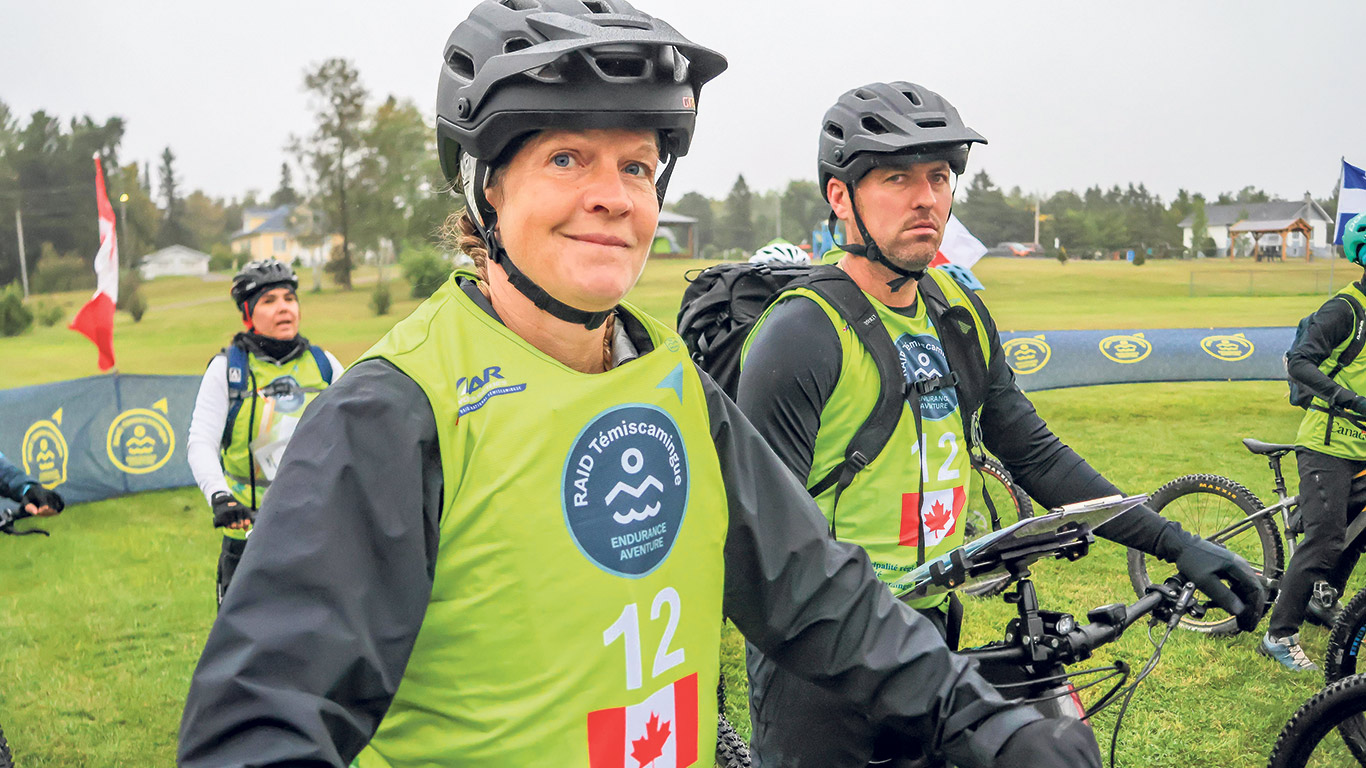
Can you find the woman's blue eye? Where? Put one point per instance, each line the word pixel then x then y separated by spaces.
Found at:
pixel 562 160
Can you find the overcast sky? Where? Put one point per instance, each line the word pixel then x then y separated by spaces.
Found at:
pixel 1209 96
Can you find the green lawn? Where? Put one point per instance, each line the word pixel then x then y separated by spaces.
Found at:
pixel 103 622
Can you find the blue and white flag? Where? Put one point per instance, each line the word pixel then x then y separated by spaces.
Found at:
pixel 1351 197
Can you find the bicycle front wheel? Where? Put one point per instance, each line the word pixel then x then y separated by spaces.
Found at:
pixel 1218 509
pixel 1307 740
pixel 1011 505
pixel 1344 660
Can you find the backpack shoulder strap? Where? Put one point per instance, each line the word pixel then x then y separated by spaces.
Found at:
pixel 961 332
pixel 324 365
pixel 238 384
pixel 1353 349
pixel 842 293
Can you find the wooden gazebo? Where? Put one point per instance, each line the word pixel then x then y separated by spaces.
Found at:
pixel 1282 227
pixel 676 222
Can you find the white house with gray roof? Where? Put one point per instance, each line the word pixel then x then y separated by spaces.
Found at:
pixel 1265 217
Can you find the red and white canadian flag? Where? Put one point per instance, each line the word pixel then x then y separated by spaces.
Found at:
pixel 96 318
pixel 659 732
pixel 942 509
pixel 959 246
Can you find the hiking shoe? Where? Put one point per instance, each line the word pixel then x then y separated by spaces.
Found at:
pixel 1288 652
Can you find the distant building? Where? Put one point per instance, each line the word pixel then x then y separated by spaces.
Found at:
pixel 1263 217
pixel 275 233
pixel 174 260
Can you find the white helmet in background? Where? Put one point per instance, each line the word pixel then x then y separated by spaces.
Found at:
pixel 780 253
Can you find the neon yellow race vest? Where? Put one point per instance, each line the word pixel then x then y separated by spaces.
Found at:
pixel 265 418
pixel 1346 440
pixel 575 615
pixel 880 509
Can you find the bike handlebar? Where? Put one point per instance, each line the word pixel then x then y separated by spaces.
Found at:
pixel 1108 623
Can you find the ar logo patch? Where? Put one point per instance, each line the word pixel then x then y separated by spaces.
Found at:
pixel 625 489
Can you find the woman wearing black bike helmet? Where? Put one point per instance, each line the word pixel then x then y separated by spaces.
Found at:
pixel 509 535
pixel 249 401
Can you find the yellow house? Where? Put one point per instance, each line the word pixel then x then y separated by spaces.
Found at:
pixel 274 233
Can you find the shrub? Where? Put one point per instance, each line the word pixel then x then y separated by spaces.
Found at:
pixel 47 314
pixel 62 272
pixel 1062 255
pixel 15 318
pixel 380 298
pixel 1139 258
pixel 425 268
pixel 131 299
pixel 222 258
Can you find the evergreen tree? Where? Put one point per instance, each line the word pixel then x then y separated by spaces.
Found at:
pixel 285 194
pixel 737 225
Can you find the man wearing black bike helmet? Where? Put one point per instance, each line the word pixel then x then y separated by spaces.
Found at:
pixel 888 160
pixel 508 536
pixel 249 401
pixel 1330 450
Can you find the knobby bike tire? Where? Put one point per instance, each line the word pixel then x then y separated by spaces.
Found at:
pixel 1308 734
pixel 1344 660
pixel 731 750
pixel 1012 505
pixel 1205 504
pixel 6 759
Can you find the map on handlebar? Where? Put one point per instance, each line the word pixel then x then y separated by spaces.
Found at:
pixel 1064 532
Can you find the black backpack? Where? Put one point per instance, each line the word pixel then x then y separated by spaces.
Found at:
pixel 722 303
pixel 1303 397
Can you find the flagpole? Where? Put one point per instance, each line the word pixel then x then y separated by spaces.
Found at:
pixel 23 263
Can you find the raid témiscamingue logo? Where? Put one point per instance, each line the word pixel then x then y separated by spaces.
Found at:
pixel 625 489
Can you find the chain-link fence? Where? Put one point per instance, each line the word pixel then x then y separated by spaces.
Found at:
pixel 1273 281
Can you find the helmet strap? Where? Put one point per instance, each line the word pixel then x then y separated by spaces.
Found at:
pixel 870 250
pixel 487 224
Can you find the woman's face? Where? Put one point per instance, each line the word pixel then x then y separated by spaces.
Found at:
pixel 276 314
pixel 577 212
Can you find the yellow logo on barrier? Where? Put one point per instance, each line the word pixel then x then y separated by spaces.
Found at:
pixel 1125 348
pixel 1027 354
pixel 45 451
pixel 141 439
pixel 1230 349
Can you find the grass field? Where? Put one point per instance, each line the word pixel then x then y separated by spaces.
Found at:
pixel 102 623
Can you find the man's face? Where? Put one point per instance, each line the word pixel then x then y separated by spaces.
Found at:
pixel 904 208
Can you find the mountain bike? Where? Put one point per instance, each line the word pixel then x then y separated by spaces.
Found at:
pixel 1307 739
pixel 1227 513
pixel 995 502
pixel 1031 661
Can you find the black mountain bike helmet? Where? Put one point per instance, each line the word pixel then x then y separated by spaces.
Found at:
pixel 261 275
pixel 888 122
pixel 515 67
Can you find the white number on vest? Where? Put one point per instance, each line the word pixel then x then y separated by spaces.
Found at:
pixel 627 627
pixel 946 470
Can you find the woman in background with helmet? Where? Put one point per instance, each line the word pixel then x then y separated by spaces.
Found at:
pixel 509 535
pixel 249 402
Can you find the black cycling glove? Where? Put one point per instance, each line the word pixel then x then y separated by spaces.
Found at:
pixel 41 497
pixel 228 510
pixel 1060 742
pixel 1208 566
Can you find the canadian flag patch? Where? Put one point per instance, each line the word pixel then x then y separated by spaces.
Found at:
pixel 942 509
pixel 659 732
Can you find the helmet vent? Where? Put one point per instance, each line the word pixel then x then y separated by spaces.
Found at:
pixel 516 44
pixel 624 67
pixel 834 131
pixel 596 6
pixel 522 5
pixel 873 125
pixel 913 97
pixel 930 123
pixel 461 63
pixel 864 95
